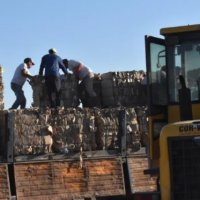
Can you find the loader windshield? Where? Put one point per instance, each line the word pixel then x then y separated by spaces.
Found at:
pixel 184 59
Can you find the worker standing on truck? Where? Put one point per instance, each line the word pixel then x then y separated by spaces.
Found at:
pixel 52 63
pixel 20 76
pixel 86 75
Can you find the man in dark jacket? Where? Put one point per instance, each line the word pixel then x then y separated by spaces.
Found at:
pixel 52 63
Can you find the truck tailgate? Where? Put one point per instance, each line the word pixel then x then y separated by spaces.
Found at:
pixel 139 182
pixel 64 179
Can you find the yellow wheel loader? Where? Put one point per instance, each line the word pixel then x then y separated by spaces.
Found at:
pixel 173 79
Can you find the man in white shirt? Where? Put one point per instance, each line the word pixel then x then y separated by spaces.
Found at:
pixel 86 75
pixel 20 76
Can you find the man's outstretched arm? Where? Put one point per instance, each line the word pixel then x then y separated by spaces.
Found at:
pixel 62 66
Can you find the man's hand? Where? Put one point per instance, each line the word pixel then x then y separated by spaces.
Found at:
pixel 30 82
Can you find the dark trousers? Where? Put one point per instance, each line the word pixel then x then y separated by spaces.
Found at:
pixel 53 85
pixel 20 98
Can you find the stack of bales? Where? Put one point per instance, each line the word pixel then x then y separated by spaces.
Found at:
pixel 69 92
pixel 41 131
pixel 114 89
pixel 122 89
pixel 44 131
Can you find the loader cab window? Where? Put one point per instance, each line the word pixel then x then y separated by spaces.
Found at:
pixel 184 59
pixel 157 75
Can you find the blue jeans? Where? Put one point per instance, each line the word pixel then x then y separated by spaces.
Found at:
pixel 19 93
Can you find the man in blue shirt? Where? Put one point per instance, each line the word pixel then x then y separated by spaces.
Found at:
pixel 52 63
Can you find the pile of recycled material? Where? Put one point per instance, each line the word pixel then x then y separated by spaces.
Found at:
pixel 44 131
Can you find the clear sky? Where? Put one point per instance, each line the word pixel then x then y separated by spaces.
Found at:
pixel 106 35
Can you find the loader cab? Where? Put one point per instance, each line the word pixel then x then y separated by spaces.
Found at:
pixel 178 53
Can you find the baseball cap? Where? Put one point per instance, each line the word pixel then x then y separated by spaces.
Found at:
pixel 52 50
pixel 26 60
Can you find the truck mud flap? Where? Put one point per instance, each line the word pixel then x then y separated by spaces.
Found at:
pixel 4 182
pixel 140 183
pixel 64 179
